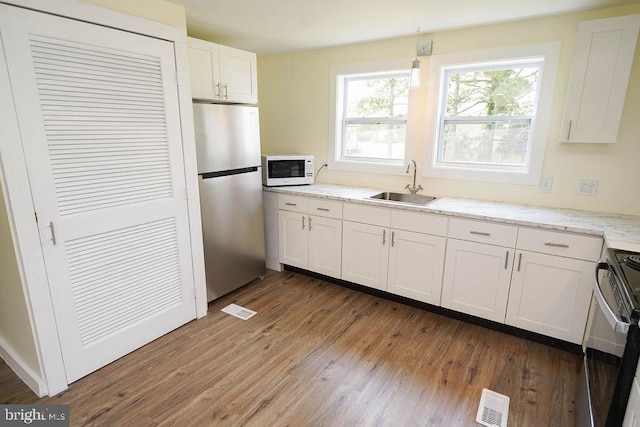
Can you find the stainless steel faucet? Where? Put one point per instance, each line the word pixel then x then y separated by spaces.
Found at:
pixel 414 189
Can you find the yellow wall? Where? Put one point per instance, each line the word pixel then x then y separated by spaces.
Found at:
pixel 154 10
pixel 294 109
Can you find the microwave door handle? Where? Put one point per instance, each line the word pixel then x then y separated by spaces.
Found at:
pixel 615 322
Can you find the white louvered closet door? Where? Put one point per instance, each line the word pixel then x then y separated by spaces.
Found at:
pixel 100 125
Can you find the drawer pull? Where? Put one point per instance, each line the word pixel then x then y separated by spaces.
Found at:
pixel 290 204
pixel 556 245
pixel 506 260
pixel 323 209
pixel 480 233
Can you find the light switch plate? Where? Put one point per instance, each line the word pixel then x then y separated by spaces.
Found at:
pixel 545 184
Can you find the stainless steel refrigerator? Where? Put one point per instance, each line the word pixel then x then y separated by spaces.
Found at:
pixel 230 182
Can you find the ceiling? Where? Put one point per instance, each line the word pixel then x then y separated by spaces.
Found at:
pixel 277 26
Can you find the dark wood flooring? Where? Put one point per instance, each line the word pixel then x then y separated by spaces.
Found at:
pixel 318 354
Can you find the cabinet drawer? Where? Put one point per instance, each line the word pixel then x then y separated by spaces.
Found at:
pixel 419 222
pixel 328 208
pixel 557 243
pixel 293 203
pixel 367 214
pixel 483 232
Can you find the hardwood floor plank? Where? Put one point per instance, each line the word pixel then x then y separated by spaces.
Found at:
pixel 318 354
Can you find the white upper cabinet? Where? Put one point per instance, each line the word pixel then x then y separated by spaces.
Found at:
pixel 222 73
pixel 599 76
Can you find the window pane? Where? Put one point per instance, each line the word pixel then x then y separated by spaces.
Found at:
pixel 506 92
pixel 377 97
pixel 495 143
pixel 376 141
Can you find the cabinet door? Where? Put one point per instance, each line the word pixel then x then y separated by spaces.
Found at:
pixel 599 76
pixel 325 245
pixel 100 125
pixel 365 254
pixel 476 279
pixel 550 295
pixel 204 69
pixel 238 76
pixel 632 415
pixel 416 264
pixel 293 239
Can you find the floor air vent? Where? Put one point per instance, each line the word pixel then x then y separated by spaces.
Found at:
pixel 493 410
pixel 239 312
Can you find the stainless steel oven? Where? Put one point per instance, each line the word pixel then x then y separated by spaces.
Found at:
pixel 612 342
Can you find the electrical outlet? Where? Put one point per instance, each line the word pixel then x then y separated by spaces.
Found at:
pixel 545 184
pixel 587 187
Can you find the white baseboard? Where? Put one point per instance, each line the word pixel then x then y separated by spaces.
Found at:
pixel 33 381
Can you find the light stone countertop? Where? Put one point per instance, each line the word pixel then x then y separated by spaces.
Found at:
pixel 619 231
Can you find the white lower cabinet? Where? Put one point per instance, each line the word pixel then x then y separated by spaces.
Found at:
pixel 293 239
pixel 550 294
pixel 416 263
pixel 365 254
pixel 632 415
pixel 308 241
pixel 476 279
pixel 379 251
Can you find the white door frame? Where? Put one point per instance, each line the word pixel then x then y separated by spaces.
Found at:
pixel 18 192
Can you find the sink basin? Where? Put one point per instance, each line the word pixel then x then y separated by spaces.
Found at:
pixel 414 199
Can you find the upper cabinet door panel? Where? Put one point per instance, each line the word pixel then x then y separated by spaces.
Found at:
pixel 599 76
pixel 238 75
pixel 204 69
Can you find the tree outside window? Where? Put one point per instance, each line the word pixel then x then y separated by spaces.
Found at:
pixel 487 114
pixel 374 118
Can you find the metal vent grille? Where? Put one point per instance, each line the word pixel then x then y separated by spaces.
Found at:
pixel 121 277
pixel 105 124
pixel 493 410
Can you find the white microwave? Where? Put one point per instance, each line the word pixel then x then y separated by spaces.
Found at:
pixel 287 170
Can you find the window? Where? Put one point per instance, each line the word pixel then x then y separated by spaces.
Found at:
pixel 370 109
pixel 492 114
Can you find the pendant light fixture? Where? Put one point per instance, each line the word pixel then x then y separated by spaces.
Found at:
pixel 423 48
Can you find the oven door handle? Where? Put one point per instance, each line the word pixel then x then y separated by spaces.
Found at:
pixel 616 323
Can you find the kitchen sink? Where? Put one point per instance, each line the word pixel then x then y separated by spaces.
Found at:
pixel 414 199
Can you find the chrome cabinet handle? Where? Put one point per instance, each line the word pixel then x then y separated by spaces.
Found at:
pixel 556 245
pixel 218 90
pixel 393 238
pixel 226 91
pixel 323 209
pixel 384 237
pixel 303 222
pixel 309 223
pixel 53 233
pixel 519 261
pixel 506 260
pixel 480 233
pixel 290 204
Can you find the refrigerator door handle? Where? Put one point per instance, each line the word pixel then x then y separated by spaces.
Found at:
pixel 229 172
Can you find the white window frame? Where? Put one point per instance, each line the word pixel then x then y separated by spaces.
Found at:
pixel 530 173
pixel 336 106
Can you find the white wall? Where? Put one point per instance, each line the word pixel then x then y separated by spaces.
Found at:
pixel 294 107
